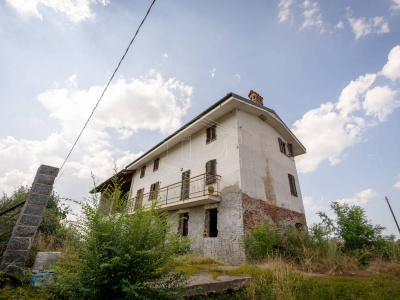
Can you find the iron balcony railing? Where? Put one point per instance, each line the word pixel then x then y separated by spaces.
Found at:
pixel 198 186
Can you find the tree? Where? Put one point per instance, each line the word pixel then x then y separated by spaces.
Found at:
pixel 352 226
pixel 118 255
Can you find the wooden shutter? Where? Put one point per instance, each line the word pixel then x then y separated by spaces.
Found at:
pixel 211 171
pixel 290 149
pixel 156 163
pixel 139 197
pixel 152 191
pixel 292 184
pixel 185 185
pixel 142 171
pixel 282 146
pixel 213 132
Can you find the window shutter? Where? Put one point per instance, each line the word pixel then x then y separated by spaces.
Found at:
pixel 156 163
pixel 213 166
pixel 214 133
pixel 292 184
pixel 208 135
pixel 290 149
pixel 211 171
pixel 208 169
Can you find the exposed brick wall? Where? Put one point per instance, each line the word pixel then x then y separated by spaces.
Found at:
pixel 256 211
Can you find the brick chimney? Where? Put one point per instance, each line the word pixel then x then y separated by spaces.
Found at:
pixel 253 96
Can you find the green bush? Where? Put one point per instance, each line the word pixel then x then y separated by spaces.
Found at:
pixel 179 244
pixel 120 256
pixel 261 241
pixel 352 226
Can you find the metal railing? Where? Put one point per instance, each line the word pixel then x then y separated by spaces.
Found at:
pixel 197 186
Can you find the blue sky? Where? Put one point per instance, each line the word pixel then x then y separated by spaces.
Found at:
pixel 330 69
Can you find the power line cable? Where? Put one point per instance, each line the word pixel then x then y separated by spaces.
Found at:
pixel 109 81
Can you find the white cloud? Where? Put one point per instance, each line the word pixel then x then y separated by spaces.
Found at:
pixel 311 205
pixel 212 73
pixel 329 130
pixel 312 15
pixel 362 27
pixel 284 9
pixel 392 68
pixel 339 25
pixel 395 5
pixel 397 185
pixel 360 198
pixel 161 103
pixel 326 134
pixel 380 102
pixel 238 76
pixel 349 99
pixel 75 10
pixel 150 102
pixel 165 55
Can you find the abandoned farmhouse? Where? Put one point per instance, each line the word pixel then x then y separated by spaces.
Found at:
pixel 225 171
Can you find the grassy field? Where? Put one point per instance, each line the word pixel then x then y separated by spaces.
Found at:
pixel 271 279
pixel 277 279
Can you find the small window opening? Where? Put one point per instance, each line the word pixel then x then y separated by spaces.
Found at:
pixel 292 184
pixel 213 223
pixel 211 134
pixel 299 226
pixel 184 224
pixel 156 163
pixel 142 171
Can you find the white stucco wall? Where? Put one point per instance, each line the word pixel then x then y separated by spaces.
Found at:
pixel 264 169
pixel 192 154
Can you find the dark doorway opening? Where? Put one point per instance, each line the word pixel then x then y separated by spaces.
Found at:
pixel 185 224
pixel 213 223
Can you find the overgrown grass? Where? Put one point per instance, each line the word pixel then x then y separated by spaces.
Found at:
pixel 278 279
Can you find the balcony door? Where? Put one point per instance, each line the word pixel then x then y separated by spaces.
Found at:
pixel 185 187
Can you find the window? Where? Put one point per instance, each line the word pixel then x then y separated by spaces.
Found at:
pixel 139 198
pixel 282 146
pixel 154 190
pixel 211 134
pixel 156 163
pixel 184 224
pixel 211 229
pixel 292 184
pixel 290 150
pixel 211 171
pixel 142 171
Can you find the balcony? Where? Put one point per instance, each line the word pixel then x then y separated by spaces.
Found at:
pixel 199 190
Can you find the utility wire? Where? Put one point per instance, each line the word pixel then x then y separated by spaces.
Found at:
pixel 109 81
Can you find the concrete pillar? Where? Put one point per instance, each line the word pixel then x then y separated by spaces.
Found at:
pixel 24 232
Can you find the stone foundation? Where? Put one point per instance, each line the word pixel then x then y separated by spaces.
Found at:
pixel 256 211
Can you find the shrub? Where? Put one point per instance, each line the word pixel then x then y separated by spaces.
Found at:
pixel 120 255
pixel 261 241
pixel 352 226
